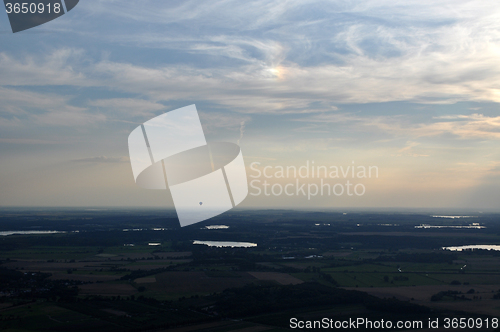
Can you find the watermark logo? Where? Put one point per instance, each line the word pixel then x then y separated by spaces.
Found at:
pixel 310 179
pixel 205 179
pixel 25 15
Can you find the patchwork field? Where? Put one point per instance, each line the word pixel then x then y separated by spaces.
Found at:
pixel 480 302
pixel 282 278
pixel 195 282
pixel 108 289
pixel 349 266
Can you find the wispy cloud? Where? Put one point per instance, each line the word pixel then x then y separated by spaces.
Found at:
pixel 54 68
pixel 409 150
pixel 215 121
pixel 128 107
pixel 101 159
pixel 288 56
pixel 27 141
pixel 428 52
pixel 435 56
pixel 242 130
pixel 23 107
pixel 474 126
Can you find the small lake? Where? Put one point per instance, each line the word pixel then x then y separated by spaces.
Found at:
pixel 471 226
pixel 221 244
pixel 474 246
pixel 453 217
pixel 217 227
pixel 5 233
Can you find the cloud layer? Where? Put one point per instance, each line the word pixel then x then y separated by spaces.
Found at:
pixel 378 81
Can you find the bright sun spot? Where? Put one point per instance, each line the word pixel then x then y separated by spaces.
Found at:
pixel 278 72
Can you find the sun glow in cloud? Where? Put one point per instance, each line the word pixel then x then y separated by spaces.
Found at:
pixel 278 72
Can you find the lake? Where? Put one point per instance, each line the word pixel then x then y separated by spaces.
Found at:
pixel 5 233
pixel 474 246
pixel 216 227
pixel 221 244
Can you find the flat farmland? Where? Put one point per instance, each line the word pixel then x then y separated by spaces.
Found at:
pixel 47 252
pixel 281 278
pixel 422 295
pixel 180 282
pixel 150 255
pixel 145 280
pixel 371 279
pixel 42 266
pixel 154 264
pixel 226 326
pixel 362 268
pixel 108 289
pixel 482 235
pixel 50 318
pixel 98 271
pixel 86 277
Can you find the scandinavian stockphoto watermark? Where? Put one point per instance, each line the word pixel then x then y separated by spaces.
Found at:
pixel 310 179
pixel 205 178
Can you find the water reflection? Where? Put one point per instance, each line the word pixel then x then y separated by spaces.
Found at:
pixel 472 247
pixel 474 225
pixel 216 227
pixel 221 244
pixel 454 217
pixel 5 233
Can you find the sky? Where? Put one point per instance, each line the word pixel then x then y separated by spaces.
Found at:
pixel 409 87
